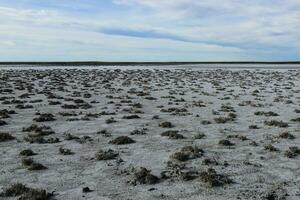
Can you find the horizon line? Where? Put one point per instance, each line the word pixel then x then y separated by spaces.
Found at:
pixel 103 63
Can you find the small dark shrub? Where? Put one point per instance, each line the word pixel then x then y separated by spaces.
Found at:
pixel 121 140
pixel 106 155
pixel 6 137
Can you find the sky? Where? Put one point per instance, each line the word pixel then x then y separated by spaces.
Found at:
pixel 149 30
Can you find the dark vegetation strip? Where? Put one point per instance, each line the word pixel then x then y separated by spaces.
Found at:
pixel 98 63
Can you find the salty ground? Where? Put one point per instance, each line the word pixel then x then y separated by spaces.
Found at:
pixel 149 133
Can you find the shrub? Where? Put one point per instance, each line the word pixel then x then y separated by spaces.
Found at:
pixel 121 140
pixel 6 137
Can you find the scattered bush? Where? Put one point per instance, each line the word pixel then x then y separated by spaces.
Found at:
pixel 187 153
pixel 32 165
pixel 139 132
pixel 6 137
pixel 226 143
pixel 27 152
pixel 212 179
pixel 121 140
pixel 25 193
pixel 166 125
pixel 110 120
pixel 292 152
pixel 199 136
pixel 253 127
pixel 172 134
pixel 64 151
pixel 2 122
pixel 270 147
pixel 286 135
pixel 106 155
pixel 142 175
pixel 45 117
pixel 131 117
pixel 267 114
pixel 276 123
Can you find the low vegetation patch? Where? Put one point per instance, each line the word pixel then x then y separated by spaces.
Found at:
pixel 25 193
pixel 292 152
pixel 276 123
pixel 45 117
pixel 2 122
pixel 31 165
pixel 142 175
pixel 27 152
pixel 172 134
pixel 212 179
pixel 106 154
pixel 6 137
pixel 166 125
pixel 121 140
pixel 226 143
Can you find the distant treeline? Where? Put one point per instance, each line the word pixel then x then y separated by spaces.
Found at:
pixel 98 63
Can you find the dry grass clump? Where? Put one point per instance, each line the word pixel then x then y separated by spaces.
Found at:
pixel 69 106
pixel 275 194
pixel 2 122
pixel 6 137
pixel 68 114
pixel 41 140
pixel 295 120
pixel 226 143
pixel 199 136
pixel 240 137
pixel 104 132
pixel 253 127
pixel 205 122
pixel 292 152
pixel 45 117
pixel 31 165
pixel 6 113
pixel 27 152
pixel 222 120
pixel 131 117
pixel 69 136
pixel 38 130
pixel 139 132
pixel 110 120
pixel 266 114
pixel 270 147
pixel 212 179
pixel 142 175
pixel 22 106
pixel 176 171
pixel 122 140
pixel 25 193
pixel 53 103
pixel 210 161
pixel 187 153
pixel 286 135
pixel 276 123
pixel 65 151
pixel 172 134
pixel 166 125
pixel 106 154
pixel 86 190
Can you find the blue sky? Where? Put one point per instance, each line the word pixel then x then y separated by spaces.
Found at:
pixel 149 30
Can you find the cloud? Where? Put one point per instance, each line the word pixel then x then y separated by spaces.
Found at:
pixel 169 30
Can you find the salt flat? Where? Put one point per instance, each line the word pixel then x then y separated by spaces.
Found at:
pixel 150 132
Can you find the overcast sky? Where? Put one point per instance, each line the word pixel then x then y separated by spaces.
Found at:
pixel 149 30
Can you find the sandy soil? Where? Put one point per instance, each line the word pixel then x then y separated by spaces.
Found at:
pixel 233 134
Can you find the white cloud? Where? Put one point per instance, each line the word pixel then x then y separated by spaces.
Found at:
pixel 227 28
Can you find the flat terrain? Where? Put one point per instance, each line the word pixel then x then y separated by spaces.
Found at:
pixel 149 133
